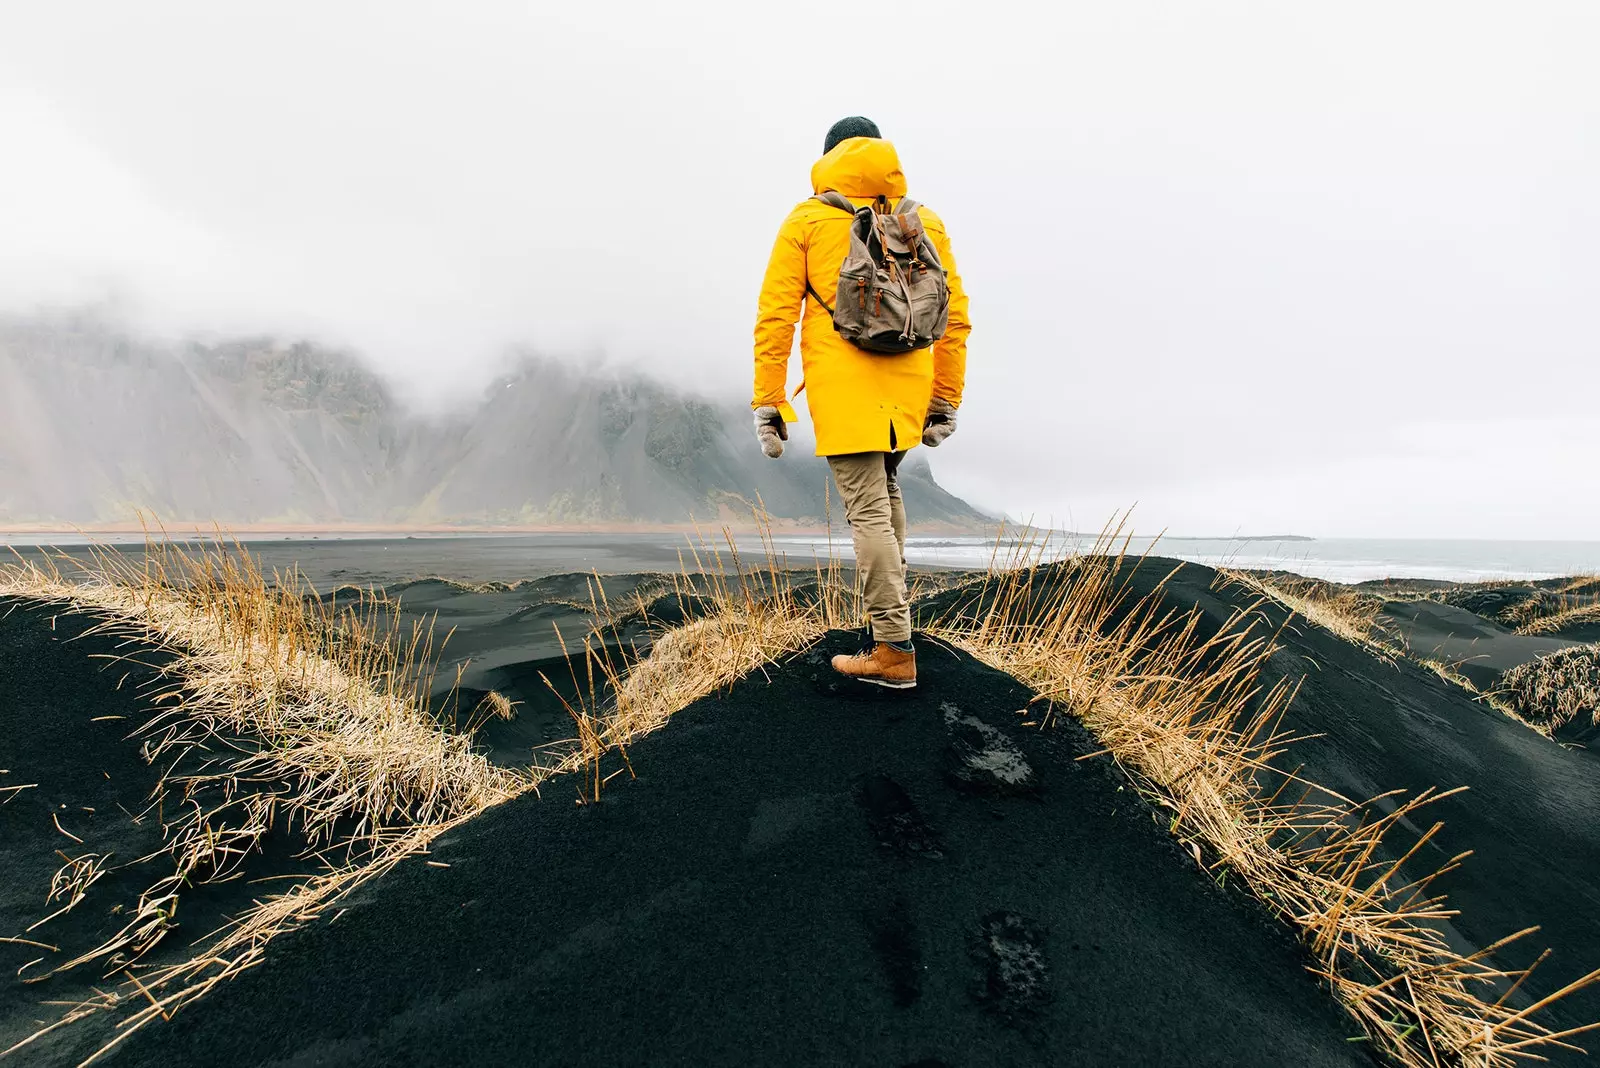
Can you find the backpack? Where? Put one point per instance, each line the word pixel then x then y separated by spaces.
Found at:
pixel 892 294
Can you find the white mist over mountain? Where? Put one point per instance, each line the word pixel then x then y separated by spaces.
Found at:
pixel 1252 266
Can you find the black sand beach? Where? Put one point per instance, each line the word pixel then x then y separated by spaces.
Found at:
pixel 797 876
pixel 794 879
pixel 63 727
pixel 68 704
pixel 509 640
pixel 1479 648
pixel 1528 815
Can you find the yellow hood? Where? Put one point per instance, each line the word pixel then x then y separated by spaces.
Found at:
pixel 860 167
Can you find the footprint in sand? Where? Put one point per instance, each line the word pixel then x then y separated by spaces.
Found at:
pixel 982 760
pixel 1013 974
pixel 895 940
pixel 895 821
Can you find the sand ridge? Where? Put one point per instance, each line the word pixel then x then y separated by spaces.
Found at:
pixel 793 879
pixel 928 871
pixel 1528 814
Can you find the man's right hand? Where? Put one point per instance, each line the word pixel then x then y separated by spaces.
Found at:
pixel 771 431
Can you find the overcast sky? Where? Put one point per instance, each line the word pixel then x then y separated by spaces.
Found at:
pixel 1330 268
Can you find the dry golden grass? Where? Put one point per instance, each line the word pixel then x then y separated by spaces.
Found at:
pixel 495 705
pixel 1544 607
pixel 1187 716
pixel 71 882
pixel 1353 615
pixel 336 692
pixel 1533 611
pixel 279 709
pixel 1569 611
pixel 1557 689
pixel 333 694
pixel 1450 674
pixel 1350 614
pixel 753 615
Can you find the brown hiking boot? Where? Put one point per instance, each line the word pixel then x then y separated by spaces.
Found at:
pixel 883 665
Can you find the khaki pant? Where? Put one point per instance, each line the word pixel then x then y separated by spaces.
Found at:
pixel 871 496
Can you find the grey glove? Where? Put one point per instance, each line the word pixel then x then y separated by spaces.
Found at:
pixel 940 423
pixel 771 431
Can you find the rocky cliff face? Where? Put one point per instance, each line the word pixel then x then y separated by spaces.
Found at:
pixel 95 424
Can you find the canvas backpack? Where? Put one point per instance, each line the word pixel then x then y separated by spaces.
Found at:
pixel 892 294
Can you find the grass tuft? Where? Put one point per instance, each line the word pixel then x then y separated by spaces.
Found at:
pixel 1544 606
pixel 1189 718
pixel 1568 612
pixel 1558 689
pixel 273 709
pixel 1350 614
pixel 327 698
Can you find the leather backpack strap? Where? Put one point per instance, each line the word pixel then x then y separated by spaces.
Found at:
pixel 836 200
pixel 814 295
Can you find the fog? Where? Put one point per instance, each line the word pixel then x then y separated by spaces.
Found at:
pixel 1254 267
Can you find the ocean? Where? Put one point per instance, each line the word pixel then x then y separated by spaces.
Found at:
pixel 1336 559
pixel 344 558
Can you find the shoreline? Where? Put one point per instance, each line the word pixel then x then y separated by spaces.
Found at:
pixel 355 531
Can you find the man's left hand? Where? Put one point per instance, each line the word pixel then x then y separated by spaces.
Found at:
pixel 940 423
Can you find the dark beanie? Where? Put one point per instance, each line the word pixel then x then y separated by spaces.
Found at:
pixel 844 129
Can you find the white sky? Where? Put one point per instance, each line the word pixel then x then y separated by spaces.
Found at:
pixel 1322 268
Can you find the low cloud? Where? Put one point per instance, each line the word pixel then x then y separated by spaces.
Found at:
pixel 1251 266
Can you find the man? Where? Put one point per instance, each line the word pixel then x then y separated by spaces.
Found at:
pixel 869 408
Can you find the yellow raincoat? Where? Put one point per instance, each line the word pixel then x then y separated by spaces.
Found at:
pixel 860 401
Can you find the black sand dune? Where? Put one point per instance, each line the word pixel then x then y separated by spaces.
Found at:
pixel 509 637
pixel 795 878
pixel 541 691
pixel 1474 645
pixel 50 696
pixel 1502 603
pixel 525 642
pixel 1531 813
pixel 67 706
pixel 1580 633
pixel 1537 601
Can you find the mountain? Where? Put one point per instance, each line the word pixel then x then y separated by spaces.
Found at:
pixel 95 424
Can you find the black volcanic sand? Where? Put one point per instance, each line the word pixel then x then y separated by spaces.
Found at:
pixel 1531 813
pixel 1489 601
pixel 66 710
pixel 483 629
pixel 50 693
pixel 526 642
pixel 69 704
pixel 509 638
pixel 795 878
pixel 1478 647
pixel 1580 633
pixel 1548 595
